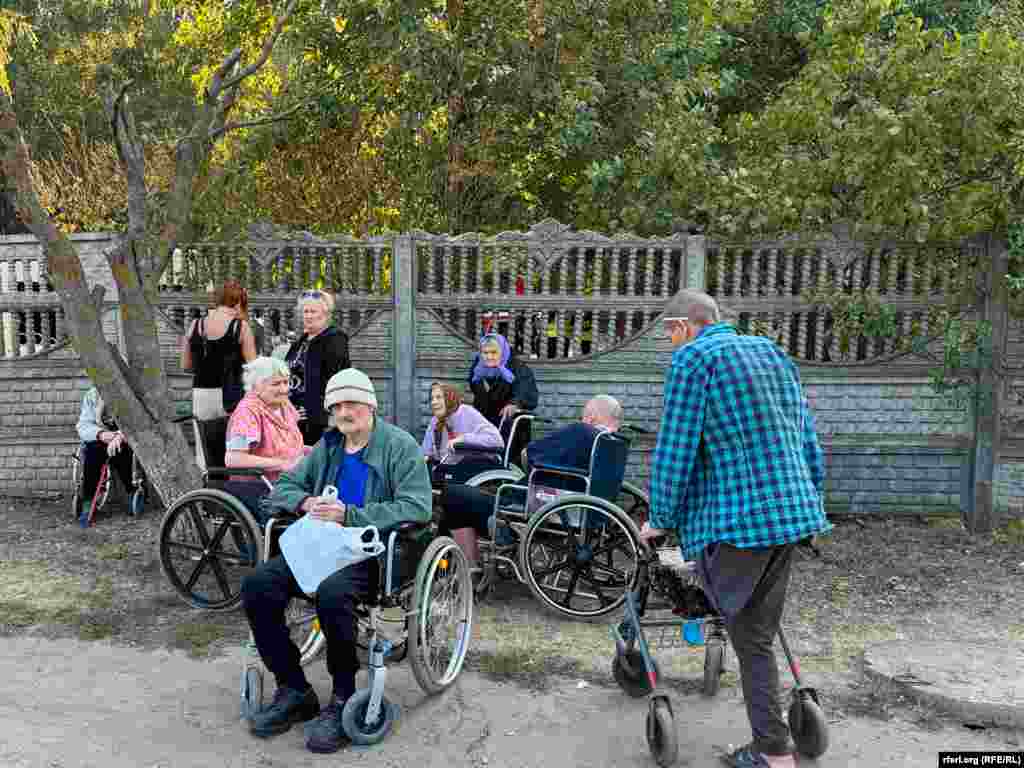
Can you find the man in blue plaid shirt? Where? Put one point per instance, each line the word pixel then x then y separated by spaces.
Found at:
pixel 738 472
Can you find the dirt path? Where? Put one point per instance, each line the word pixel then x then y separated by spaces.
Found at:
pixel 68 704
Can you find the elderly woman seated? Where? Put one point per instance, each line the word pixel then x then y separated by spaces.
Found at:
pixel 263 432
pixel 455 423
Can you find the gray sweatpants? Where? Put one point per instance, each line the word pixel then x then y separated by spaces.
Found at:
pixel 748 588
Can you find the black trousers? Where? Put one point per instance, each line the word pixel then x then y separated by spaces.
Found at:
pixel 467 507
pixel 93 456
pixel 265 595
pixel 748 588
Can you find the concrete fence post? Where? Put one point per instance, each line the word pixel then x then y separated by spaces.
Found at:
pixel 403 332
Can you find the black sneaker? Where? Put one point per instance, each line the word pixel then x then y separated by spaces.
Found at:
pixel 326 734
pixel 288 707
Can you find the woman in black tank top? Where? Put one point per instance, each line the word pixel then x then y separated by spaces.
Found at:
pixel 217 362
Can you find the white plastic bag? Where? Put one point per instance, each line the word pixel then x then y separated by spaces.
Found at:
pixel 314 549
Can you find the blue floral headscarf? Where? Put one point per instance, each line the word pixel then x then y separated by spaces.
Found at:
pixel 480 369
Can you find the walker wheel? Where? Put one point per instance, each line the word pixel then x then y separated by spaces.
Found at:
pixel 662 739
pixel 631 675
pixel 807 723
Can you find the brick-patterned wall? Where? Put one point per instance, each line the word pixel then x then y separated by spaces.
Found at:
pixel 892 445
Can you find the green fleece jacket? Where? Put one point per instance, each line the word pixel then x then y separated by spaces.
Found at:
pixel 397 485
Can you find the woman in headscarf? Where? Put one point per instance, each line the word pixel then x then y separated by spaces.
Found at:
pixel 453 423
pixel 502 385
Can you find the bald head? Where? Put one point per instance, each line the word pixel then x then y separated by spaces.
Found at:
pixel 696 306
pixel 603 411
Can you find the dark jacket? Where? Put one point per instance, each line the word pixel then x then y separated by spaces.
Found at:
pixel 397 486
pixel 327 354
pixel 491 395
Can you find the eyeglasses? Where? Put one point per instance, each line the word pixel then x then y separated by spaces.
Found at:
pixel 674 319
pixel 312 294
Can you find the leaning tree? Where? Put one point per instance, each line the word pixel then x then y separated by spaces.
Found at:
pixel 138 390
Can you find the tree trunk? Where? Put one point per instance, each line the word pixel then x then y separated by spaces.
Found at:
pixel 140 404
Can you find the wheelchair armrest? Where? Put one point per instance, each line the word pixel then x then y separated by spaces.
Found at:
pixel 240 471
pixel 472 448
pixel 558 469
pixel 407 529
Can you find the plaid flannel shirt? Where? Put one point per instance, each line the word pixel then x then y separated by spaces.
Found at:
pixel 737 458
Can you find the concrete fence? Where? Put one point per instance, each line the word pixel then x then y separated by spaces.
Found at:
pixel 582 309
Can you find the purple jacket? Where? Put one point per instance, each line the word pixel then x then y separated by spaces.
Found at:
pixel 466 421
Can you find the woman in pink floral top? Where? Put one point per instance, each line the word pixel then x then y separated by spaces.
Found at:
pixel 263 432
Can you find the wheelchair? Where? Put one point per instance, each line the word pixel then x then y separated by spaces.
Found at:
pixel 488 468
pixel 578 551
pixel 423 607
pixel 136 494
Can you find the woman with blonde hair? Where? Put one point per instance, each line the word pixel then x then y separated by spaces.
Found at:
pixel 215 348
pixel 312 359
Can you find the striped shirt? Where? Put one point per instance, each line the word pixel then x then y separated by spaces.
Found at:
pixel 737 458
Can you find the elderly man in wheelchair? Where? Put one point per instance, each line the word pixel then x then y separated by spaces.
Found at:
pixel 381 482
pixel 562 533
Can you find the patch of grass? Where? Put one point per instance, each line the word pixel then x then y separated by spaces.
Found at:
pixel 197 636
pixel 944 522
pixel 844 643
pixel 112 551
pixel 1011 533
pixel 31 594
pixel 91 628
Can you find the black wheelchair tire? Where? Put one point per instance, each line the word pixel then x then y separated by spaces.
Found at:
pixel 244 525
pixel 629 672
pixel 536 524
pixel 353 718
pixel 714 662
pixel 662 740
pixel 808 725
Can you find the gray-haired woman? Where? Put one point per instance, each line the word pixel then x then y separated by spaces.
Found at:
pixel 263 432
pixel 318 354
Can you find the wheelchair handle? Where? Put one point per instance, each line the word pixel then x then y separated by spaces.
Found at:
pixel 638 430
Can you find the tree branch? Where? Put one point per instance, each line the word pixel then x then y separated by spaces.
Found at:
pixel 279 117
pixel 268 46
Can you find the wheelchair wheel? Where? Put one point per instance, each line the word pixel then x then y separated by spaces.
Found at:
pixel 579 556
pixel 208 543
pixel 76 484
pixel 808 725
pixel 714 665
pixel 353 718
pixel 662 739
pixel 441 622
pixel 629 672
pixel 252 691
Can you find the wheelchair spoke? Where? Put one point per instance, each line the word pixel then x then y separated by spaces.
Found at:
pixel 571 587
pixel 589 578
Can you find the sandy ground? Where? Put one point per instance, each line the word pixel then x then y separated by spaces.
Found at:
pixel 69 704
